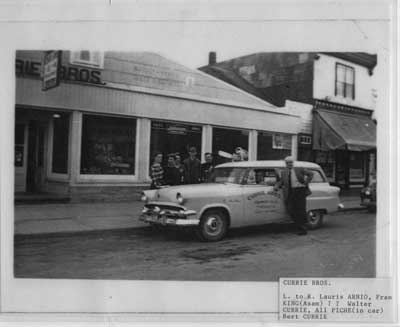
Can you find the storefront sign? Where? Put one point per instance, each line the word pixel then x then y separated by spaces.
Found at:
pixel 51 70
pixel 176 130
pixel 68 73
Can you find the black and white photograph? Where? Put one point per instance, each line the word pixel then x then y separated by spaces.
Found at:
pixel 129 165
pixel 199 159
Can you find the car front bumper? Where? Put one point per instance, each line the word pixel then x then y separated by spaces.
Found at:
pixel 169 218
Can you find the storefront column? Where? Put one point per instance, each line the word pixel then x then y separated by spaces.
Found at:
pixel 206 141
pixel 294 147
pixel 372 167
pixel 75 138
pixel 253 139
pixel 143 149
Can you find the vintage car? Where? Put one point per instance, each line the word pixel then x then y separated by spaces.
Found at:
pixel 368 196
pixel 239 194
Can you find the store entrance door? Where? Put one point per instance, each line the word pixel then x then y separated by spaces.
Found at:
pixel 342 169
pixel 35 163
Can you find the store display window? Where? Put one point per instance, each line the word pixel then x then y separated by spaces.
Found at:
pixel 357 165
pixel 108 145
pixel 273 146
pixel 169 137
pixel 326 159
pixel 228 140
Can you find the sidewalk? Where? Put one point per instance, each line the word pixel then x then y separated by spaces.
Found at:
pixel 80 217
pixel 76 217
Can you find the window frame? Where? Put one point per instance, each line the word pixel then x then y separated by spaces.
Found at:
pixel 246 176
pixel 75 59
pixel 303 141
pixel 322 174
pixel 109 178
pixel 346 69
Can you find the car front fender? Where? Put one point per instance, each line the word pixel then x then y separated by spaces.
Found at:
pixel 214 206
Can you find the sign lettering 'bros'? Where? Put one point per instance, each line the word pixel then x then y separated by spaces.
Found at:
pixel 51 69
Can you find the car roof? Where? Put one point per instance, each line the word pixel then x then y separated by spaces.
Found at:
pixel 268 163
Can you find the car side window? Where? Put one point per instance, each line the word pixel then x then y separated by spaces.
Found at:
pixel 261 176
pixel 317 177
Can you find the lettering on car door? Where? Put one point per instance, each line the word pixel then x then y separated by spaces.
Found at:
pixel 262 203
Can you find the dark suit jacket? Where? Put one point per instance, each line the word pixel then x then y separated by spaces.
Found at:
pixel 303 175
pixel 192 171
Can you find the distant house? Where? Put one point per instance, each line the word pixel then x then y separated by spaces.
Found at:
pixel 341 89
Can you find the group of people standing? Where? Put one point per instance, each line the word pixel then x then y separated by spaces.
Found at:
pixel 176 172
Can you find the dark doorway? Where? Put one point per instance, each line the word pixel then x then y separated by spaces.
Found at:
pixel 342 169
pixel 35 169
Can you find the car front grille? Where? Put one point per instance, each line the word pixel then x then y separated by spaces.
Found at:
pixel 168 211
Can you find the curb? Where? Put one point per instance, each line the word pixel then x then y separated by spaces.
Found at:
pixel 114 229
pixel 77 232
pixel 358 208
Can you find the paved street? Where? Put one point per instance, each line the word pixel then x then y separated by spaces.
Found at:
pixel 344 247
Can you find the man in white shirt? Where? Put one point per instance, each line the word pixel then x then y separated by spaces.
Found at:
pixel 294 182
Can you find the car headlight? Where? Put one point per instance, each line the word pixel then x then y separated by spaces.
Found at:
pixel 367 192
pixel 179 198
pixel 144 197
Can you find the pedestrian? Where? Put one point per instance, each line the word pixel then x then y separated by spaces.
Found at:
pixel 192 167
pixel 157 172
pixel 207 167
pixel 180 167
pixel 294 182
pixel 171 173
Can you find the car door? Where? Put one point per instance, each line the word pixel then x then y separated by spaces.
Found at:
pixel 262 204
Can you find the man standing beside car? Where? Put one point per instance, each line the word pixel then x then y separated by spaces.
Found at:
pixel 294 182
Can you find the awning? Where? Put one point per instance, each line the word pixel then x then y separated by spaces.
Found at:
pixel 342 131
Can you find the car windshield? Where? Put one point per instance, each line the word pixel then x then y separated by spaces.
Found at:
pixel 228 175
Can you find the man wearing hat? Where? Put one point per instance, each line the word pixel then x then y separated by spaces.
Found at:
pixel 294 182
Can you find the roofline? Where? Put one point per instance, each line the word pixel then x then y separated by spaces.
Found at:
pixel 238 89
pixel 370 64
pixel 273 163
pixel 196 70
pixel 196 98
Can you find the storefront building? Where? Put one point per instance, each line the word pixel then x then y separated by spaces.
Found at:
pixel 344 141
pixel 335 95
pixel 93 136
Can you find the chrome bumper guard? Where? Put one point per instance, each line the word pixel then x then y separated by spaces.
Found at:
pixel 169 217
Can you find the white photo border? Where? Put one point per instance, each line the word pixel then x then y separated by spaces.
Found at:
pixel 336 26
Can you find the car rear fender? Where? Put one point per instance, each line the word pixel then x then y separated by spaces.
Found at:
pixel 324 197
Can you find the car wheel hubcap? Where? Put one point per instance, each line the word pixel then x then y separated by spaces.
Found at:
pixel 213 226
pixel 313 217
